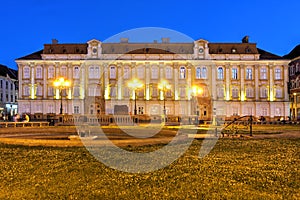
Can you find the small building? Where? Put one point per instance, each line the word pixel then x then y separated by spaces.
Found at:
pixel 8 92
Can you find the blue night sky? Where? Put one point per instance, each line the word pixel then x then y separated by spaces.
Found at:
pixel 27 25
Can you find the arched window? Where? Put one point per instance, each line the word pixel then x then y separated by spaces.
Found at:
pixel 39 90
pixel 277 74
pixel 204 73
pixel 126 72
pixel 112 72
pixel 168 73
pixel 263 92
pixel 154 73
pixel 26 72
pixel 234 73
pixel 249 92
pixel 278 93
pixel 220 73
pixel 235 93
pixel 198 73
pixel 76 72
pixel 51 72
pixel 63 71
pixel 263 73
pixel 39 73
pixel 182 73
pixel 249 73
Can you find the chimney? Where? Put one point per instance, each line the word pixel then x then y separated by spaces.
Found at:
pixel 54 41
pixel 124 40
pixel 165 40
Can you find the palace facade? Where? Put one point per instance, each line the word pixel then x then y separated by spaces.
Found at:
pixel 183 79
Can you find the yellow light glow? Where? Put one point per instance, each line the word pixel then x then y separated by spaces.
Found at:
pixel 135 84
pixel 196 90
pixel 163 85
pixel 62 83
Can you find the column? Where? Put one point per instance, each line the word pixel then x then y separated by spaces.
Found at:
pixel 227 89
pixel 213 82
pixel 256 82
pixel 175 78
pixel 120 81
pixel 271 82
pixel 147 81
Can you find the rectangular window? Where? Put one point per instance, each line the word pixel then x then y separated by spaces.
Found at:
pixel 154 92
pixel 126 73
pixel 50 108
pixel 182 92
pixel 91 72
pixel 1 82
pixel 39 90
pixel 76 92
pixel 50 91
pixel 140 72
pixel 39 72
pixel 263 73
pixel 249 74
pixel 63 71
pixel 234 73
pixel 154 73
pixel 220 92
pixel 168 73
pixel 113 91
pixel 235 93
pixel 26 72
pixel 278 93
pixel 51 72
pixel 26 91
pixel 249 92
pixel 277 74
pixel 263 92
pixel 76 109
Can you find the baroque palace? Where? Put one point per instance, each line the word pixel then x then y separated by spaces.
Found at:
pixel 181 79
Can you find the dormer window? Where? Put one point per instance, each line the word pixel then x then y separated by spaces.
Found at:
pixel 248 50
pixel 220 50
pixel 64 50
pixel 233 50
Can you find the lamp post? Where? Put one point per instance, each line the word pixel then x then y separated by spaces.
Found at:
pixel 163 86
pixel 61 83
pixel 196 90
pixel 295 113
pixel 135 84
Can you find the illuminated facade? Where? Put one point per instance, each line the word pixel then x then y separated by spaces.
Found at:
pixel 231 79
pixel 8 91
pixel 295 88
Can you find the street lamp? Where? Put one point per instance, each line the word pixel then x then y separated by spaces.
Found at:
pixel 295 113
pixel 163 86
pixel 135 84
pixel 61 83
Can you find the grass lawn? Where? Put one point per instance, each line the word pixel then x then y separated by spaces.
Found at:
pixel 234 169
